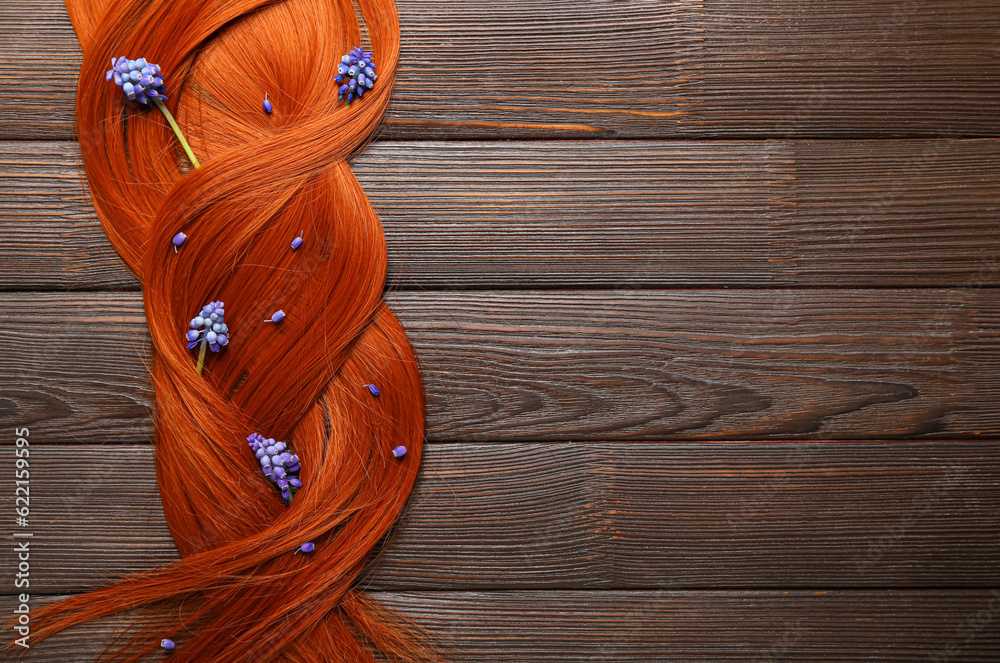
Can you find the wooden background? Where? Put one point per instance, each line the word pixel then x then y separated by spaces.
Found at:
pixel 711 339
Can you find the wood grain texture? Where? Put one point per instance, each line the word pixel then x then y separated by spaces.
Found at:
pixel 583 365
pixel 589 68
pixel 592 515
pixel 652 627
pixel 598 214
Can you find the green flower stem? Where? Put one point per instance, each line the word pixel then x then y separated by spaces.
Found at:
pixel 194 162
pixel 201 355
pixel 187 149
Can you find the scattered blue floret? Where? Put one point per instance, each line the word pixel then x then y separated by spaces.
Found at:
pixel 178 240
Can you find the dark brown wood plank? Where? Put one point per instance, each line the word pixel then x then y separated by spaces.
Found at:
pixel 652 627
pixel 587 68
pixel 564 365
pixel 592 515
pixel 599 214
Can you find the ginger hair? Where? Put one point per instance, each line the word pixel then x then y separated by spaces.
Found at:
pixel 238 593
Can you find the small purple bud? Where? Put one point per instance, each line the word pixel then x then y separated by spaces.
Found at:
pixel 277 316
pixel 294 482
pixel 178 240
pixel 192 335
pixel 372 388
pixel 285 494
pixel 297 242
pixel 267 105
pixel 307 547
pixel 167 644
pixel 343 89
pixel 192 344
pixel 399 451
pixel 339 78
pixel 222 339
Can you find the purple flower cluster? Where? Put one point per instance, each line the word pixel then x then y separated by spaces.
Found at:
pixel 280 466
pixel 209 327
pixel 358 70
pixel 140 80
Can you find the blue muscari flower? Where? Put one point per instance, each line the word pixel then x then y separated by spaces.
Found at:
pixel 209 327
pixel 268 108
pixel 140 80
pixel 278 465
pixel 178 240
pixel 356 72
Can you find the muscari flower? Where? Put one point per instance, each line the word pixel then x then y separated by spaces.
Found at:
pixel 357 73
pixel 399 451
pixel 297 242
pixel 178 240
pixel 277 316
pixel 209 327
pixel 306 547
pixel 278 465
pixel 268 108
pixel 372 388
pixel 140 80
pixel 167 644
